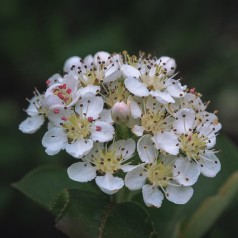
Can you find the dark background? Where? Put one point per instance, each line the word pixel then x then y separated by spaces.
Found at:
pixel 36 37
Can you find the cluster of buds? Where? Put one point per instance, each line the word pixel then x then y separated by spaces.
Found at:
pixel 130 123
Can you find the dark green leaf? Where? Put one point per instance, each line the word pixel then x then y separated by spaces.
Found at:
pixel 89 215
pixel 45 183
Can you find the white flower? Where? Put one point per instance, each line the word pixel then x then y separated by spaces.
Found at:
pixel 36 112
pixel 76 131
pixel 63 94
pixel 152 117
pixel 155 177
pixel 103 163
pixel 150 77
pixel 196 141
pixel 102 68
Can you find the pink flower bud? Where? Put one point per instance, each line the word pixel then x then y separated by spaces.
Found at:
pixel 120 112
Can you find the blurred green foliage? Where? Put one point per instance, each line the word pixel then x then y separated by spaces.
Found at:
pixel 37 37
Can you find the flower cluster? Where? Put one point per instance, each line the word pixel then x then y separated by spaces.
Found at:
pixel 130 123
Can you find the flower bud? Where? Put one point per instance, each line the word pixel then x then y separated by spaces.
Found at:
pixel 120 112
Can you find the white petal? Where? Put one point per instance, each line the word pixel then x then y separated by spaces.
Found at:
pixel 54 140
pixel 109 184
pixel 136 178
pixel 89 105
pixel 102 131
pixel 178 194
pixel 88 59
pixel 56 78
pixel 162 97
pixel 112 73
pixel 210 164
pixel 136 87
pixel 134 107
pixel 31 124
pixel 81 172
pixel 146 149
pixel 89 89
pixel 138 130
pixel 168 63
pixel 152 196
pixel 123 148
pixel 79 148
pixel 129 71
pixel 184 120
pixel 166 141
pixel 72 61
pixel 185 172
pixel 101 56
pixel 175 89
pixel 106 116
pixel 127 167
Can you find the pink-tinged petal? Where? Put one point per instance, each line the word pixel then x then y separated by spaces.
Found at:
pixel 73 61
pixel 109 184
pixel 79 148
pixel 186 172
pixel 178 194
pixel 146 149
pixel 136 87
pixel 81 172
pixel 54 140
pixel 129 71
pixel 209 164
pixel 102 131
pixel 184 120
pixel 162 97
pixel 166 141
pixel 152 196
pixel 31 124
pixel 136 178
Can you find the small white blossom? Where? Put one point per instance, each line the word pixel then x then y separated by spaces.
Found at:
pixel 76 131
pixel 155 177
pixel 36 112
pixel 103 163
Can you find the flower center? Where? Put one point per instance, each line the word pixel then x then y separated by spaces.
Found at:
pixel 154 77
pixel 159 174
pixel 193 144
pixel 107 162
pixel 76 127
pixel 116 93
pixel 64 93
pixel 154 121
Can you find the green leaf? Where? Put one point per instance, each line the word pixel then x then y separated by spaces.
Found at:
pixel 89 215
pixel 44 184
pixel 209 211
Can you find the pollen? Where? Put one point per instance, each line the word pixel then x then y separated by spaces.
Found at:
pixel 154 121
pixel 193 144
pixel 64 93
pixel 107 161
pixel 159 174
pixel 117 93
pixel 77 127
